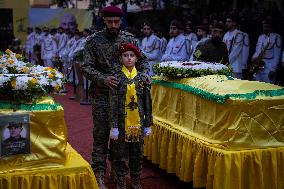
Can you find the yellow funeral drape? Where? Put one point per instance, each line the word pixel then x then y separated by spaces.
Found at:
pixel 235 124
pixel 208 166
pixel 75 173
pixel 48 136
pixel 238 144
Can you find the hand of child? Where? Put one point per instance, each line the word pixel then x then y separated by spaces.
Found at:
pixel 147 131
pixel 114 133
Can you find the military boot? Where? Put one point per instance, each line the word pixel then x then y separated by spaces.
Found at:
pixel 101 180
pixel 135 182
pixel 121 182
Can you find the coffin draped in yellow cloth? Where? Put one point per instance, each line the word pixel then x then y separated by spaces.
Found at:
pixel 48 135
pixel 219 132
pixel 75 173
pixel 232 113
pixel 208 166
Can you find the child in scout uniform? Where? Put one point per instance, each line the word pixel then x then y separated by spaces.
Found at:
pixel 130 118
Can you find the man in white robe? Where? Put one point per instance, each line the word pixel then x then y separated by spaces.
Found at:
pixel 150 46
pixel 269 43
pixel 178 48
pixel 237 43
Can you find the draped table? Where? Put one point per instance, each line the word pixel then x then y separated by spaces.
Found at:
pixel 218 131
pixel 51 163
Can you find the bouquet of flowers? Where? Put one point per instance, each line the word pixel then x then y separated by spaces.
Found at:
pixel 179 69
pixel 22 82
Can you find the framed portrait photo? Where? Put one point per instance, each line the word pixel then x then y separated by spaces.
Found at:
pixel 15 134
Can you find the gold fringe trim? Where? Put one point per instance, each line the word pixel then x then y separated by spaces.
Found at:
pixel 133 134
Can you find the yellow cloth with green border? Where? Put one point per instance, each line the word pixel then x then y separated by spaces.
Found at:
pixel 75 173
pixel 224 134
pixel 238 123
pixel 206 165
pixel 132 118
pixel 48 135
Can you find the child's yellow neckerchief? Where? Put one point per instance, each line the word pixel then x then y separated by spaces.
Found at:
pixel 132 118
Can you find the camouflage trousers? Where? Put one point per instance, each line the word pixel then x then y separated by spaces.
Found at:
pixel 127 156
pixel 100 132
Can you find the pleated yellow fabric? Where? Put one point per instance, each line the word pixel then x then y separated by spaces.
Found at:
pixel 75 173
pixel 209 166
pixel 236 144
pixel 48 136
pixel 235 124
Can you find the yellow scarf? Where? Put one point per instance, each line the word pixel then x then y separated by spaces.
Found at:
pixel 132 118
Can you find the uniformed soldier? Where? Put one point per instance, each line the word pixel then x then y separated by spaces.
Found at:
pixel 100 65
pixel 179 47
pixel 190 35
pixel 202 35
pixel 15 144
pixel 150 46
pixel 78 45
pixel 268 51
pixel 65 53
pixel 163 43
pixel 213 49
pixel 62 39
pixel 29 46
pixel 36 58
pixel 238 47
pixel 48 49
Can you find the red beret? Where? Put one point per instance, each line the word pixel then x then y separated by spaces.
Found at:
pixel 129 47
pixel 112 11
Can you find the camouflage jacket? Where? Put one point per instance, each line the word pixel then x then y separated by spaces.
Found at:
pixel 101 58
pixel 117 101
pixel 208 51
pixel 12 146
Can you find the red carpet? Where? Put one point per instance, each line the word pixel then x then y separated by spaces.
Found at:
pixel 80 125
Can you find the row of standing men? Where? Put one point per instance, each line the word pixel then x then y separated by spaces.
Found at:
pixel 230 49
pixel 54 43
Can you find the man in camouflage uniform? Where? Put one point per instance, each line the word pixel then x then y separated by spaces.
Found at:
pixel 15 144
pixel 213 49
pixel 101 63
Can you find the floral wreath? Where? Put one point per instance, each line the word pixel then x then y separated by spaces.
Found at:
pixel 179 69
pixel 23 82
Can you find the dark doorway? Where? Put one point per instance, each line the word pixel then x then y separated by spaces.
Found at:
pixel 6 28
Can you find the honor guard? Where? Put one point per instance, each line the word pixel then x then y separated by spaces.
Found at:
pixel 48 49
pixel 62 39
pixel 268 51
pixel 190 35
pixel 237 43
pixel 163 43
pixel 150 46
pixel 29 46
pixel 178 48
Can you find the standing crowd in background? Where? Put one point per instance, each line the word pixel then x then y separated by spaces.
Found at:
pixel 208 40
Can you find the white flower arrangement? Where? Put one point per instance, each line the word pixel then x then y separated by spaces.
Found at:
pixel 177 69
pixel 26 82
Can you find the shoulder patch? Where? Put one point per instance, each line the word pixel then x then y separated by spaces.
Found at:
pixel 197 53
